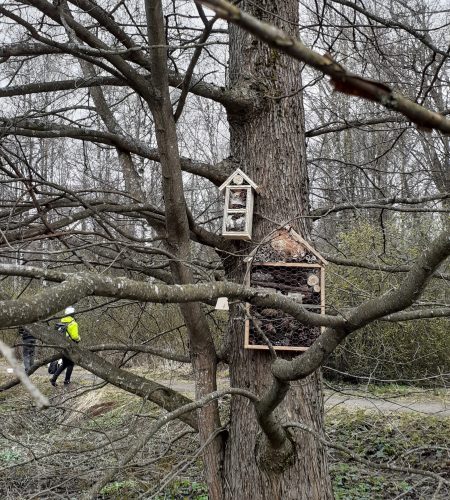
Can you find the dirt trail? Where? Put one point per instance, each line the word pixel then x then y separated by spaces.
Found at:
pixel 370 402
pixel 428 404
pixel 432 407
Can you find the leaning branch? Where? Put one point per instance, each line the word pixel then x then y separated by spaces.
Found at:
pixel 156 426
pixel 77 286
pixel 46 129
pixel 398 299
pixel 343 80
pixel 163 396
pixel 385 268
pixel 41 400
pixel 381 203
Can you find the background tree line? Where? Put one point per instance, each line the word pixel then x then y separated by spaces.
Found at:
pixel 119 123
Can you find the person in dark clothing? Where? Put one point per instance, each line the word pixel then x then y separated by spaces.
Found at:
pixel 70 327
pixel 28 347
pixel 67 364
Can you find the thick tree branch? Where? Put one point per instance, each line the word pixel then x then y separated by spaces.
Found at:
pixel 159 394
pixel 275 432
pixel 302 366
pixel 24 311
pixel 391 302
pixel 230 99
pixel 342 79
pixel 39 128
pixel 201 345
pixel 13 313
pixel 45 303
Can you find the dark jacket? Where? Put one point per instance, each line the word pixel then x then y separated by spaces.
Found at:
pixel 27 338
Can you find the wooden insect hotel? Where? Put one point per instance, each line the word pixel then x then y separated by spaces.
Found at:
pixel 288 265
pixel 238 211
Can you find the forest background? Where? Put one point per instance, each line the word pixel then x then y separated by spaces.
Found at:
pixel 92 185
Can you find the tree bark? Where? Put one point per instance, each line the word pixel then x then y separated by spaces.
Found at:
pixel 269 145
pixel 201 345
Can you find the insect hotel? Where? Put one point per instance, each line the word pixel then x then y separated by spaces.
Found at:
pixel 288 265
pixel 238 211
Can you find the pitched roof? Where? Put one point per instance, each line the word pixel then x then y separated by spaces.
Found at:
pixel 238 171
pixel 301 240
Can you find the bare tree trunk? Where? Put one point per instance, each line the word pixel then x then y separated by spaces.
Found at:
pixel 202 349
pixel 270 146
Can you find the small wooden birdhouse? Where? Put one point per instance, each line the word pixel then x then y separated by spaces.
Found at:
pixel 238 210
pixel 290 266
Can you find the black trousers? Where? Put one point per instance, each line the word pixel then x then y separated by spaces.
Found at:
pixel 28 349
pixel 67 364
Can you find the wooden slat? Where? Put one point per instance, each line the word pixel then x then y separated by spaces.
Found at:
pixel 286 264
pixel 247 327
pixel 237 236
pixel 277 348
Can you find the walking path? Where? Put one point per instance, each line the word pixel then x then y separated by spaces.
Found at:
pixel 428 404
pixel 433 406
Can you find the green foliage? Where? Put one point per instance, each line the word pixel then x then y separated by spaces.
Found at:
pixel 186 489
pixel 118 489
pixel 350 484
pixel 9 455
pixel 405 440
pixel 403 350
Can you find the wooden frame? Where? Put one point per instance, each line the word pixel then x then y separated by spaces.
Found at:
pixel 247 211
pixel 238 181
pixel 247 344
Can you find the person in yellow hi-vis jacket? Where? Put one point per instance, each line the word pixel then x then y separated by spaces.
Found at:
pixel 69 327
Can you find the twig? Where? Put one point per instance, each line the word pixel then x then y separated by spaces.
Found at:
pixel 343 81
pixel 412 488
pixel 133 450
pixel 41 400
pixel 194 457
pixel 369 463
pixel 438 489
pixel 273 353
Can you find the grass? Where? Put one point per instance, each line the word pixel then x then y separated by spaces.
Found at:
pixel 185 489
pixel 108 414
pixel 9 455
pixel 119 489
pixel 394 392
pixel 406 440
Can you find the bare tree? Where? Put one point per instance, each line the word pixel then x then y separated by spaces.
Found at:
pixel 130 215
